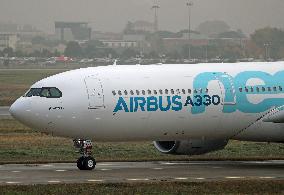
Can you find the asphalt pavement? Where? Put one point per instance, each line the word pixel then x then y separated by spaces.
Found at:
pixel 125 172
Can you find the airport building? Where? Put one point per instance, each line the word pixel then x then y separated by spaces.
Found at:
pixel 72 31
pixel 8 40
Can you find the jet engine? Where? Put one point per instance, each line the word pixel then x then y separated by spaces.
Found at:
pixel 190 147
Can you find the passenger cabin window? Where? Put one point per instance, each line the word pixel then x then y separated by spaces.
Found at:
pixel 274 88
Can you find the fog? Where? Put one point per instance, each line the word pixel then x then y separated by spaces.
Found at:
pixel 112 15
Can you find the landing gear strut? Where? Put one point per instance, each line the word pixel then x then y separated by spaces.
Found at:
pixel 86 161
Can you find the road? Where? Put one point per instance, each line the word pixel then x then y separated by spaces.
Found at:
pixel 117 172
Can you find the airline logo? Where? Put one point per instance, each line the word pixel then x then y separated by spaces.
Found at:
pixel 164 104
pixel 233 99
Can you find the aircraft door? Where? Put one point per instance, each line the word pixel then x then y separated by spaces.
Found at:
pixel 95 92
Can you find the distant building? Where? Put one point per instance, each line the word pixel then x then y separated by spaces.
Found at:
pixel 142 26
pixel 120 44
pixel 8 40
pixel 98 35
pixel 24 32
pixel 71 31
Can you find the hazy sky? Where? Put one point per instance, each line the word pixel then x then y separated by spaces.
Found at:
pixel 112 15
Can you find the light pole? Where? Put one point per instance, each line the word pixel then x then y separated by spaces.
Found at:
pixel 189 4
pixel 155 7
pixel 267 55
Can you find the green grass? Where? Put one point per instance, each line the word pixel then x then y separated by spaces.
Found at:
pixel 166 188
pixel 14 83
pixel 19 142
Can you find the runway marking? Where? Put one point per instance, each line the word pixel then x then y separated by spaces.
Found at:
pixel 47 165
pixel 267 177
pixel 200 178
pixel 13 182
pixel 158 168
pixel 136 179
pixel 16 171
pixel 53 181
pixel 181 178
pixel 234 177
pixel 60 170
pixel 104 164
pixel 95 180
pixel 105 169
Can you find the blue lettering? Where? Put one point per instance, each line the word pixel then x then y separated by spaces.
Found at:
pixel 121 105
pixel 168 107
pixel 177 102
pixel 152 104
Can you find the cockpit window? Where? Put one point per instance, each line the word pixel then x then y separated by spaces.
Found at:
pixel 48 92
pixel 33 92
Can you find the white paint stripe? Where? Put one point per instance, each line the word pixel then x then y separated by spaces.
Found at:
pixel 105 169
pixel 104 164
pixel 16 171
pixel 199 178
pixel 136 179
pixel 181 178
pixel 47 165
pixel 95 180
pixel 60 170
pixel 267 177
pixel 13 182
pixel 53 181
pixel 234 177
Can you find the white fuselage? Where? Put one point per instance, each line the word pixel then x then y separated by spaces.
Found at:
pixel 160 102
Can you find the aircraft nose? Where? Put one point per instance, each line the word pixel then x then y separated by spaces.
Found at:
pixel 19 110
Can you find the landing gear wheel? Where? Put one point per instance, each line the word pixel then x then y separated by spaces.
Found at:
pixel 80 163
pixel 86 161
pixel 89 163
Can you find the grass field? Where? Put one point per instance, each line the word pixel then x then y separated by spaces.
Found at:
pixel 19 142
pixel 166 188
pixel 14 83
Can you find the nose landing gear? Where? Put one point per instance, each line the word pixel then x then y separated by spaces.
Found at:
pixel 86 161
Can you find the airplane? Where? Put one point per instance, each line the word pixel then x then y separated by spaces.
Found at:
pixel 184 109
